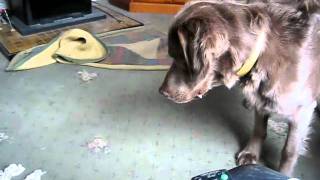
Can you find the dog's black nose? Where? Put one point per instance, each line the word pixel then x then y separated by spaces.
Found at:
pixel 164 91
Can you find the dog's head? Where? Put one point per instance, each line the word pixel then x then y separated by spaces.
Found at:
pixel 204 42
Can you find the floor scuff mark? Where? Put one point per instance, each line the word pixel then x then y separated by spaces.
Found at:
pixel 43 148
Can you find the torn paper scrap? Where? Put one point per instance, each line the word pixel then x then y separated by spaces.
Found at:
pixel 3 137
pixel 36 175
pixel 11 171
pixel 98 144
pixel 86 76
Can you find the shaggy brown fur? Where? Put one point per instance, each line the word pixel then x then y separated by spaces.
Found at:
pixel 210 41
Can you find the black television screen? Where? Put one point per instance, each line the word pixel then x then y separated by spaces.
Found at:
pixel 34 11
pixel 42 9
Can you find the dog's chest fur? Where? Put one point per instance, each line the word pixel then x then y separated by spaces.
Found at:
pixel 287 75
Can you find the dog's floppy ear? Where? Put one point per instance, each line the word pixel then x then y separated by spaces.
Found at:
pixel 190 37
pixel 183 43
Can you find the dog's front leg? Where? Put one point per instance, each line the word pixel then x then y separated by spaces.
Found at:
pixel 251 153
pixel 297 133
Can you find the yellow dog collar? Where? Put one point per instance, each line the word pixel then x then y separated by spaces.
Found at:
pixel 253 57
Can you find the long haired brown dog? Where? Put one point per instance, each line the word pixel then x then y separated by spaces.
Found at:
pixel 272 51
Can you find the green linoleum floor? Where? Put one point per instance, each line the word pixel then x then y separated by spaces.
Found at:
pixel 49 115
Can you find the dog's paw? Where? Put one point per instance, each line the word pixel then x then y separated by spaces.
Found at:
pixel 246 157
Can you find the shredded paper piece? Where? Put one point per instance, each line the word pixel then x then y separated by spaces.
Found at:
pixel 98 144
pixel 15 170
pixel 3 137
pixel 86 76
pixel 36 175
pixel 11 171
